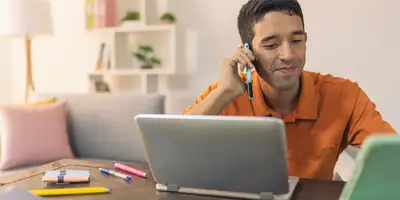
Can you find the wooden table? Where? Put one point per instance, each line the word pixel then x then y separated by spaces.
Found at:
pixel 143 188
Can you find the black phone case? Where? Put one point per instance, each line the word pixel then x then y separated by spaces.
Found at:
pixel 249 85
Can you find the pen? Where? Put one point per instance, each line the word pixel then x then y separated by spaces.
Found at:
pixel 249 78
pixel 70 191
pixel 116 174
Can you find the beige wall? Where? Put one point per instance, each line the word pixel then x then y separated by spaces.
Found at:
pixel 359 40
pixel 5 73
pixel 61 61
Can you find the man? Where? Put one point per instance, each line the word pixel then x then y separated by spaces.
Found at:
pixel 323 114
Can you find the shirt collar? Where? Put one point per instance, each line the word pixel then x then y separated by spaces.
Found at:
pixel 259 105
pixel 307 107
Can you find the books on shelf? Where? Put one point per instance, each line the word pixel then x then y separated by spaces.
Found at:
pixel 104 57
pixel 101 13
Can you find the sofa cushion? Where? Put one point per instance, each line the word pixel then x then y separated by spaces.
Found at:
pixel 101 125
pixel 33 135
pixel 39 102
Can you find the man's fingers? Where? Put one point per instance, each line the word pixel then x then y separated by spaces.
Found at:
pixel 243 58
pixel 248 61
pixel 242 63
pixel 234 63
pixel 249 53
pixel 241 67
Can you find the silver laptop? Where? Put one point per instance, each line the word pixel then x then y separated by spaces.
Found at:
pixel 226 156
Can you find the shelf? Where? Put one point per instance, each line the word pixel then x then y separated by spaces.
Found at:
pixel 121 40
pixel 138 28
pixel 128 72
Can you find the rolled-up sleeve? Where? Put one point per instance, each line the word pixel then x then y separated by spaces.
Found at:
pixel 366 121
pixel 202 96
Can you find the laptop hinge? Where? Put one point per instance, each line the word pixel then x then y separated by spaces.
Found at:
pixel 172 187
pixel 266 196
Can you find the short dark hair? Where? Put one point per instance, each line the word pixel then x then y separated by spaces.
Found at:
pixel 254 10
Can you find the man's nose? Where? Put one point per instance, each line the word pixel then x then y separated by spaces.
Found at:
pixel 286 52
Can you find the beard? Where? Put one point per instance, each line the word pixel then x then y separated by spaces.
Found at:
pixel 283 83
pixel 275 79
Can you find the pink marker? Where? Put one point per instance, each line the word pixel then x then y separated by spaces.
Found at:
pixel 130 170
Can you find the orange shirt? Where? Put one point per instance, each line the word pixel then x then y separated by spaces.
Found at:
pixel 331 114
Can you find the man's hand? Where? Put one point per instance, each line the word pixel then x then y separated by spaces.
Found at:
pixel 230 81
pixel 229 87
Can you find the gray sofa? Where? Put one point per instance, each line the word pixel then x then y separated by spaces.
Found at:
pixel 101 126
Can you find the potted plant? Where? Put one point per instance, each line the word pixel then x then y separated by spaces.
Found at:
pixel 144 54
pixel 131 18
pixel 168 18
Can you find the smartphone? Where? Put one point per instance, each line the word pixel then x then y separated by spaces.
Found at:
pixel 249 83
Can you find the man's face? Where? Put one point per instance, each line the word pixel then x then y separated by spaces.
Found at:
pixel 279 44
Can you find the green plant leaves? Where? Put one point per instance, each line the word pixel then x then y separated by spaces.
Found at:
pixel 146 49
pixel 168 17
pixel 144 54
pixel 140 57
pixel 131 15
pixel 155 61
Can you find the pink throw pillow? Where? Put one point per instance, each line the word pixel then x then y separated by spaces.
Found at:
pixel 33 135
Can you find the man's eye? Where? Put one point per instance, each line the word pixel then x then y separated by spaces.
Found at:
pixel 297 41
pixel 270 45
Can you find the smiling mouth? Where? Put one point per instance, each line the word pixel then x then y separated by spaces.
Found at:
pixel 286 68
pixel 289 71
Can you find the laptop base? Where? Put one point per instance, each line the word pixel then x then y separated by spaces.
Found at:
pixel 293 181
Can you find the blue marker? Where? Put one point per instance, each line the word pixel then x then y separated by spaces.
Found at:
pixel 249 78
pixel 116 174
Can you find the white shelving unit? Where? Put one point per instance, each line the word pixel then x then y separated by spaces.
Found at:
pixel 125 73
